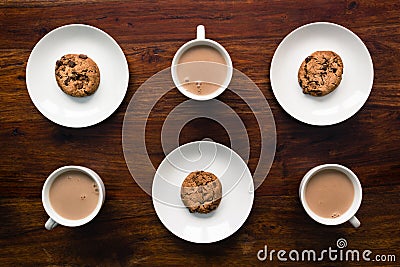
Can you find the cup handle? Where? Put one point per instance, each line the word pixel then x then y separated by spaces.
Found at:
pixel 355 222
pixel 50 224
pixel 201 32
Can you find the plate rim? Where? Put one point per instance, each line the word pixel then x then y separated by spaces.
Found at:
pixel 250 207
pixel 361 103
pixel 91 122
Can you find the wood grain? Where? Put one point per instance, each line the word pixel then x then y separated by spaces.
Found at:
pixel 127 231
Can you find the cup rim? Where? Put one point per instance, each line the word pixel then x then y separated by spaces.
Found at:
pixel 356 201
pixel 50 210
pixel 198 42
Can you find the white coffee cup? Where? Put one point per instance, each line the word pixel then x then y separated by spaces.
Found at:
pixel 201 40
pixel 349 215
pixel 55 218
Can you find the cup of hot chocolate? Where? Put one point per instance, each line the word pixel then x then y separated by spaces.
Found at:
pixel 72 196
pixel 201 68
pixel 331 194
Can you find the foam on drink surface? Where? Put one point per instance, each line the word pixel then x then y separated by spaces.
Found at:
pixel 74 195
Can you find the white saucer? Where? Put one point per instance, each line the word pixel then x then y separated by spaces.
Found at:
pixel 72 111
pixel 237 192
pixel 353 90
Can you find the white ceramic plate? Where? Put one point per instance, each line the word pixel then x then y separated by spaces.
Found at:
pixel 237 192
pixel 72 111
pixel 353 90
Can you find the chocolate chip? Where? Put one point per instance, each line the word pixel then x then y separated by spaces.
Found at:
pixel 83 56
pixel 71 63
pixel 66 82
pixel 334 70
pixel 308 59
pixel 58 63
pixel 83 77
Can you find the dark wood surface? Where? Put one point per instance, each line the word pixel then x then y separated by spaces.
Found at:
pixel 127 231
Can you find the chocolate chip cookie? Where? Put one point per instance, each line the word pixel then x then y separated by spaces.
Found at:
pixel 77 75
pixel 320 73
pixel 201 192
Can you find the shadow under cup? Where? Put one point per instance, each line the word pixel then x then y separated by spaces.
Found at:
pixel 349 215
pixel 56 218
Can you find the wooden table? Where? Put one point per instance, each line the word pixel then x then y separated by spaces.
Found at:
pixel 127 231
